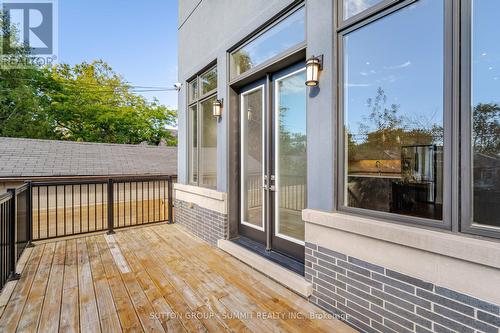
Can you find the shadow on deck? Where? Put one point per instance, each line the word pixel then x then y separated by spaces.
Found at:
pixel 154 278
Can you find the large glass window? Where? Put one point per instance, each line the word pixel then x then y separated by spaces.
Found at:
pixel 208 81
pixel 284 35
pixel 193 143
pixel 202 130
pixel 485 119
pixel 208 144
pixel 193 91
pixel 354 7
pixel 393 86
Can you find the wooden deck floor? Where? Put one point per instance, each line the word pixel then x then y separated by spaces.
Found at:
pixel 155 279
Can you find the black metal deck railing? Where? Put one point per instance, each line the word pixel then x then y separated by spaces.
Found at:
pixel 14 230
pixel 72 207
pixel 42 210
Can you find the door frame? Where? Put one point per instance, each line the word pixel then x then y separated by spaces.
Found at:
pixel 282 243
pixel 276 146
pixel 244 228
pixel 268 234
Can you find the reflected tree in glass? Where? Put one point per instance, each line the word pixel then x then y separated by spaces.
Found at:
pixel 485 109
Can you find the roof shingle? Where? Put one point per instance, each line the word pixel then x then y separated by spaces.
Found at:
pixel 33 158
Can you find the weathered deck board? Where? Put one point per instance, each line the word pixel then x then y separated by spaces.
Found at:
pixel 69 320
pixel 52 302
pixel 154 278
pixel 89 315
pixel 33 307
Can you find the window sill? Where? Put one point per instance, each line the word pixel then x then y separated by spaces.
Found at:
pixel 201 196
pixel 480 251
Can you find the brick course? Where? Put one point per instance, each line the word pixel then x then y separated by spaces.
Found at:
pixel 376 299
pixel 204 223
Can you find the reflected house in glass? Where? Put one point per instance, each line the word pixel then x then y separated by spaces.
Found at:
pixel 375 193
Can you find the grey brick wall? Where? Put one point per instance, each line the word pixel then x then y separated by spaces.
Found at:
pixel 204 223
pixel 377 299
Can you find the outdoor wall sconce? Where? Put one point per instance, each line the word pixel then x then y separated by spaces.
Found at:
pixel 217 108
pixel 313 66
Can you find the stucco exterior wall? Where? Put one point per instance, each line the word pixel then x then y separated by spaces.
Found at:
pixel 205 35
pixel 466 268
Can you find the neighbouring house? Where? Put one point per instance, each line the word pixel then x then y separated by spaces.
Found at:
pixel 328 145
pixel 31 159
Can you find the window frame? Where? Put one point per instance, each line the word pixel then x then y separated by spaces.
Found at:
pixel 199 123
pixel 258 33
pixel 344 23
pixel 356 22
pixel 190 140
pixel 467 223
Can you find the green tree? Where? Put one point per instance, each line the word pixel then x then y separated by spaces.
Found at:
pixel 85 102
pixel 95 104
pixel 486 128
pixel 24 92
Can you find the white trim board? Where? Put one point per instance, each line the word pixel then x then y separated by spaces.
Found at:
pixel 203 197
pixel 289 279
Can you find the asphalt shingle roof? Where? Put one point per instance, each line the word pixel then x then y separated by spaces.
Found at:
pixel 33 158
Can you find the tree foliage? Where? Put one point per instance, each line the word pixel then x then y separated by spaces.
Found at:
pixel 486 128
pixel 84 102
pixel 384 131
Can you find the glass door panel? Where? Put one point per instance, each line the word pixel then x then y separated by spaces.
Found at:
pixel 252 158
pixel 273 161
pixel 290 156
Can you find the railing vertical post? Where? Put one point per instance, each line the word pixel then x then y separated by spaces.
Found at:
pixel 111 203
pixel 12 237
pixel 170 201
pixel 29 213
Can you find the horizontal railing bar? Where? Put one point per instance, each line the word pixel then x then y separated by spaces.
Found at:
pixel 138 180
pixel 68 182
pixel 70 235
pixel 5 197
pixel 22 188
pixel 98 181
pixel 97 177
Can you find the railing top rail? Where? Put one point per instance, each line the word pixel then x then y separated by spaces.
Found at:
pixel 138 179
pixel 68 182
pixel 77 177
pixel 5 197
pixel 99 180
pixel 22 188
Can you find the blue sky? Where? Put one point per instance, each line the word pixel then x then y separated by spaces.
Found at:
pixel 405 59
pixel 137 38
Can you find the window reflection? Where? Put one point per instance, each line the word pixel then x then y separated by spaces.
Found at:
pixel 393 109
pixel 202 130
pixel 193 90
pixel 252 123
pixel 208 81
pixel 284 35
pixel 208 145
pixel 291 149
pixel 353 7
pixel 486 112
pixel 193 144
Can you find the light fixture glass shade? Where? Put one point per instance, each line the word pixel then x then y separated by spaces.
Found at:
pixel 312 71
pixel 217 108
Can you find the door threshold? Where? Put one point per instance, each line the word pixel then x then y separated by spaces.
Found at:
pixel 274 256
pixel 264 264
